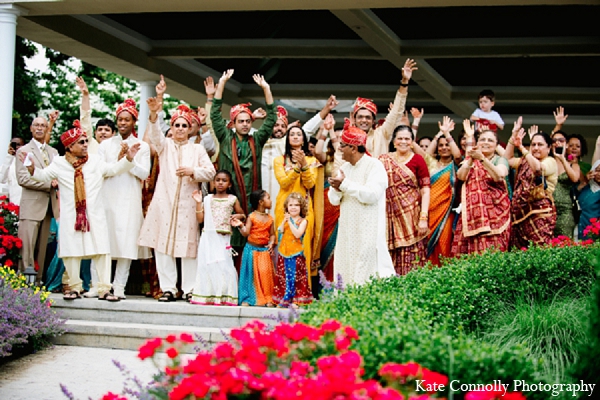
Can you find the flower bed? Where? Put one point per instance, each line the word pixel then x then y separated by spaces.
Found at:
pixel 10 244
pixel 26 316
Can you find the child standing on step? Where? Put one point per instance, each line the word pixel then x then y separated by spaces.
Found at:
pixel 216 277
pixel 291 275
pixel 256 271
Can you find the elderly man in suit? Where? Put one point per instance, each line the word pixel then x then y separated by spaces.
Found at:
pixel 39 201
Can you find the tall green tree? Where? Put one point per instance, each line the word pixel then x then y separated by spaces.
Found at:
pixel 27 98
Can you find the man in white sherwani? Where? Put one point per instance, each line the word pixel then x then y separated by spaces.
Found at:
pixel 83 230
pixel 123 197
pixel 359 188
pixel 274 148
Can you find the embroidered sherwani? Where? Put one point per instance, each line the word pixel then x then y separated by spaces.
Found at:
pixel 361 248
pixel 123 197
pixel 170 226
pixel 275 147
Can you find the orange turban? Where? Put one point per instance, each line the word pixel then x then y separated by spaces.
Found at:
pixel 72 135
pixel 129 106
pixel 353 135
pixel 184 112
pixel 367 104
pixel 192 112
pixel 282 114
pixel 236 110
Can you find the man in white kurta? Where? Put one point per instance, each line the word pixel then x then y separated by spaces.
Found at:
pixel 359 188
pixel 123 206
pixel 76 243
pixel 274 148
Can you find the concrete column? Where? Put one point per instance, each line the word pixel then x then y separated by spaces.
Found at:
pixel 147 90
pixel 8 35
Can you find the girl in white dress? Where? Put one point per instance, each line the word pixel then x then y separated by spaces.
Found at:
pixel 216 278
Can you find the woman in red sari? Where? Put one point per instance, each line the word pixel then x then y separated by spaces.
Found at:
pixel 407 202
pixel 484 218
pixel 533 211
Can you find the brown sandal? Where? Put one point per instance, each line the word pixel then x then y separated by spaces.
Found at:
pixel 71 295
pixel 108 297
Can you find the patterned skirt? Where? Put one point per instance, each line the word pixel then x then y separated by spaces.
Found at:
pixel 407 258
pixel 291 281
pixel 478 243
pixel 538 229
pixel 256 276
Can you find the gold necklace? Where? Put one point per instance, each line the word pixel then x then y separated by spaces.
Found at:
pixel 402 159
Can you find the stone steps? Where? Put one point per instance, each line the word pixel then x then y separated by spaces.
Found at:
pixel 129 323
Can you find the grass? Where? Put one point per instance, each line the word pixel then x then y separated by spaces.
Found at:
pixel 552 331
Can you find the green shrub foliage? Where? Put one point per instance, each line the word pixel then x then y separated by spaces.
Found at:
pixel 433 316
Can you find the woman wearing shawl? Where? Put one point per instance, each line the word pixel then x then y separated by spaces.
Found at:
pixel 484 216
pixel 442 170
pixel 532 209
pixel 407 203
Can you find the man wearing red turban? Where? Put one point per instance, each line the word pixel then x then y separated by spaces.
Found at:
pixel 83 230
pixel 364 115
pixel 240 152
pixel 359 188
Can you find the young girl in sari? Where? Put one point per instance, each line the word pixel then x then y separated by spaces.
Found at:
pixel 216 277
pixel 256 271
pixel 291 274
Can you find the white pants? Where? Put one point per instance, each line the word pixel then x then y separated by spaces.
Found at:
pixel 167 273
pixel 121 273
pixel 101 262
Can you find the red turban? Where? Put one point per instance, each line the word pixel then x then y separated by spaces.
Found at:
pixel 72 135
pixel 235 110
pixel 129 106
pixel 192 113
pixel 353 135
pixel 184 112
pixel 282 114
pixel 367 104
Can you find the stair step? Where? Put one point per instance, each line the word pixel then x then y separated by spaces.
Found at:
pixel 130 336
pixel 141 310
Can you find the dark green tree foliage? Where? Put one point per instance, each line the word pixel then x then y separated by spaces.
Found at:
pixel 27 97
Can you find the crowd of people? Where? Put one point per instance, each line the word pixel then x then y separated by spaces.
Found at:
pixel 221 213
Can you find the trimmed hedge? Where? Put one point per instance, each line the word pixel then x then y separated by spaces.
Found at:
pixel 432 316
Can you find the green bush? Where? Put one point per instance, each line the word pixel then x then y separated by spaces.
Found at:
pixel 433 316
pixel 588 367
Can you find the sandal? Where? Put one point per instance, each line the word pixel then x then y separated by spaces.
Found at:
pixel 166 297
pixel 108 297
pixel 71 295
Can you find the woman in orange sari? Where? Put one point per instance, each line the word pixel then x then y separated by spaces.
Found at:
pixel 484 219
pixel 442 170
pixel 533 211
pixel 407 202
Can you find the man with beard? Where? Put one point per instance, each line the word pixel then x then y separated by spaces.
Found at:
pixel 39 201
pixel 364 115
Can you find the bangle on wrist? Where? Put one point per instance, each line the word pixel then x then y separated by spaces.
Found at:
pixel 403 84
pixel 209 100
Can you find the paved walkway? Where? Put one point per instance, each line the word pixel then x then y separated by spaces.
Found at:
pixel 87 372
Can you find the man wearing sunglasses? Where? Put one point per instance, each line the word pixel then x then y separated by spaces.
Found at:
pixel 39 201
pixel 83 229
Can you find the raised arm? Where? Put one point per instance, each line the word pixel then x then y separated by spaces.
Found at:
pixel 417 116
pixel 312 125
pixel 400 100
pixel 154 134
pixel 573 172
pixel 560 118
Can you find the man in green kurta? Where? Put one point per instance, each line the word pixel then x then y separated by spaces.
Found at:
pixel 241 153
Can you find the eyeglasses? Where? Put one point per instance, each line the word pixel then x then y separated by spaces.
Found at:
pixel 181 126
pixel 82 141
pixel 559 140
pixel 39 125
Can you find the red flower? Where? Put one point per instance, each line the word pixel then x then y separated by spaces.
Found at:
pixel 8 263
pixel 342 343
pixel 171 338
pixel 112 396
pixel 330 325
pixel 149 348
pixel 351 333
pixel 172 352
pixel 186 338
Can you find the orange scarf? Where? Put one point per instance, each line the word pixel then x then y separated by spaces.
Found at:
pixel 81 221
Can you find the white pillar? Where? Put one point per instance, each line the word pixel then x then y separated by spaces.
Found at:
pixel 8 36
pixel 147 90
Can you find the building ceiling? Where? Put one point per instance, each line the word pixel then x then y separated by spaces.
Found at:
pixel 535 55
